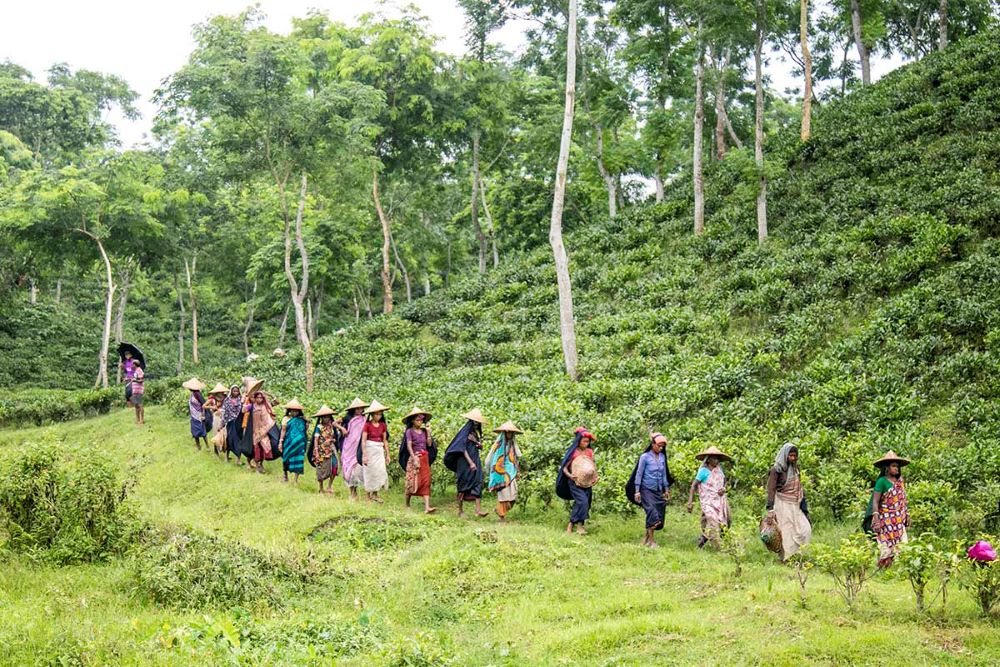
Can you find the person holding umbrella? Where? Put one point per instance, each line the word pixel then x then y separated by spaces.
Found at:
pixel 132 364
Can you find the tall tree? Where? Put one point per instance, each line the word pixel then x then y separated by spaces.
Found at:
pixel 807 92
pixel 566 324
pixel 760 30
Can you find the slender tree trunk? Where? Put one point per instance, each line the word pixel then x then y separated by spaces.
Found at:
pixel 491 229
pixel 357 306
pixel 699 121
pixel 943 25
pixel 102 357
pixel 806 70
pixel 730 131
pixel 610 183
pixel 32 292
pixel 566 325
pixel 856 23
pixel 251 304
pixel 298 290
pixel 386 233
pixel 758 135
pixel 180 325
pixel 402 270
pixel 318 313
pixel 309 316
pixel 720 110
pixel 427 284
pixel 658 181
pixel 283 328
pixel 190 271
pixel 474 207
pixel 58 290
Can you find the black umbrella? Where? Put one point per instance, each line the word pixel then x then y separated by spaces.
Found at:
pixel 136 353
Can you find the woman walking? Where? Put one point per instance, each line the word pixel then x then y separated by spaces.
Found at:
pixel 577 474
pixel 292 440
pixel 414 457
pixel 786 501
pixel 888 510
pixel 463 458
pixel 196 410
pixel 649 486
pixel 322 452
pixel 232 409
pixel 260 430
pixel 351 454
pixel 710 483
pixel 504 462
pixel 375 451
pixel 138 393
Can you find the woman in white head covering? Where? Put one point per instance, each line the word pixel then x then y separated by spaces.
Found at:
pixel 786 501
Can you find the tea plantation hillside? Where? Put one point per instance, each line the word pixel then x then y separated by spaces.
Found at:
pixel 870 320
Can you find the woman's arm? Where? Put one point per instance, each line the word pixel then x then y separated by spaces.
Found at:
pixel 694 485
pixel 639 470
pixel 468 459
pixel 409 443
pixel 281 437
pixel 385 446
pixel 772 486
pixel 364 448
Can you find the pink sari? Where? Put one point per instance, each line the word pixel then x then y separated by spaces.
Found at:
pixel 714 508
pixel 349 454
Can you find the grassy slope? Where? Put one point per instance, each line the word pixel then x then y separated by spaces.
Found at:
pixel 566 600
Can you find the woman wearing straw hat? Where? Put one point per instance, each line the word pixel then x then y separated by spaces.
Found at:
pixel 351 453
pixel 322 452
pixel 463 458
pixel 504 465
pixel 196 410
pixel 576 477
pixel 710 482
pixel 888 512
pixel 414 456
pixel 292 440
pixel 649 486
pixel 260 432
pixel 213 406
pixel 786 501
pixel 375 451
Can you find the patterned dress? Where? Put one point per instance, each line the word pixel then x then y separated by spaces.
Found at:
pixel 893 513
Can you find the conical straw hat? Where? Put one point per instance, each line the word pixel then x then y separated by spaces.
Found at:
pixel 417 411
pixel 507 427
pixel 324 411
pixel 294 405
pixel 194 384
pixel 252 385
pixel 357 403
pixel 475 415
pixel 218 389
pixel 891 457
pixel 713 451
pixel 376 407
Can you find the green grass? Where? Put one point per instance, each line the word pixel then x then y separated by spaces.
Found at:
pixel 401 586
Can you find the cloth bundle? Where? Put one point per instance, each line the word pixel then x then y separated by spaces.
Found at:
pixel 770 535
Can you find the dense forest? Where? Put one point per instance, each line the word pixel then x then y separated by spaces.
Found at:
pixel 297 183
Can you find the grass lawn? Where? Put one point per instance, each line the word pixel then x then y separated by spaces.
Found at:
pixel 401 588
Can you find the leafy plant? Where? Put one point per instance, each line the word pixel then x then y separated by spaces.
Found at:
pixel 850 564
pixel 920 561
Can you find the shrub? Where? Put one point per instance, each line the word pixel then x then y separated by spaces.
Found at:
pixel 982 579
pixel 66 505
pixel 850 564
pixel 920 561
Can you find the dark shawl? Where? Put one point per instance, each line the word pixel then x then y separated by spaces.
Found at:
pixel 562 481
pixel 467 480
pixel 404 451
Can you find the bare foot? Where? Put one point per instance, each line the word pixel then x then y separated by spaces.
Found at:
pixel 461 515
pixel 482 513
pixel 569 528
pixel 430 510
pixel 580 530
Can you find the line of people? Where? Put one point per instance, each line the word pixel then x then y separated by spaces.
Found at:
pixel 240 422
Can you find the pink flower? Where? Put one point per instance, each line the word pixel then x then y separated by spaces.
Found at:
pixel 982 551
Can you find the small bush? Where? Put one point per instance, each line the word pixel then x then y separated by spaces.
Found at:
pixel 66 505
pixel 850 564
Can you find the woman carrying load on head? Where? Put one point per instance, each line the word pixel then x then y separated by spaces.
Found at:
pixel 786 501
pixel 292 440
pixel 322 452
pixel 415 457
pixel 463 458
pixel 888 510
pixel 504 465
pixel 577 474
pixel 351 456
pixel 649 485
pixel 710 482
pixel 232 408
pixel 196 410
pixel 213 406
pixel 260 432
pixel 375 451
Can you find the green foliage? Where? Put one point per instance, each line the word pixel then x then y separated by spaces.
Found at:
pixel 67 505
pixel 921 561
pixel 982 579
pixel 851 565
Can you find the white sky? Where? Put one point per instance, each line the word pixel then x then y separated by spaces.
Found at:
pixel 145 41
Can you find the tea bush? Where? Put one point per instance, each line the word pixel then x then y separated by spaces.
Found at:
pixel 65 505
